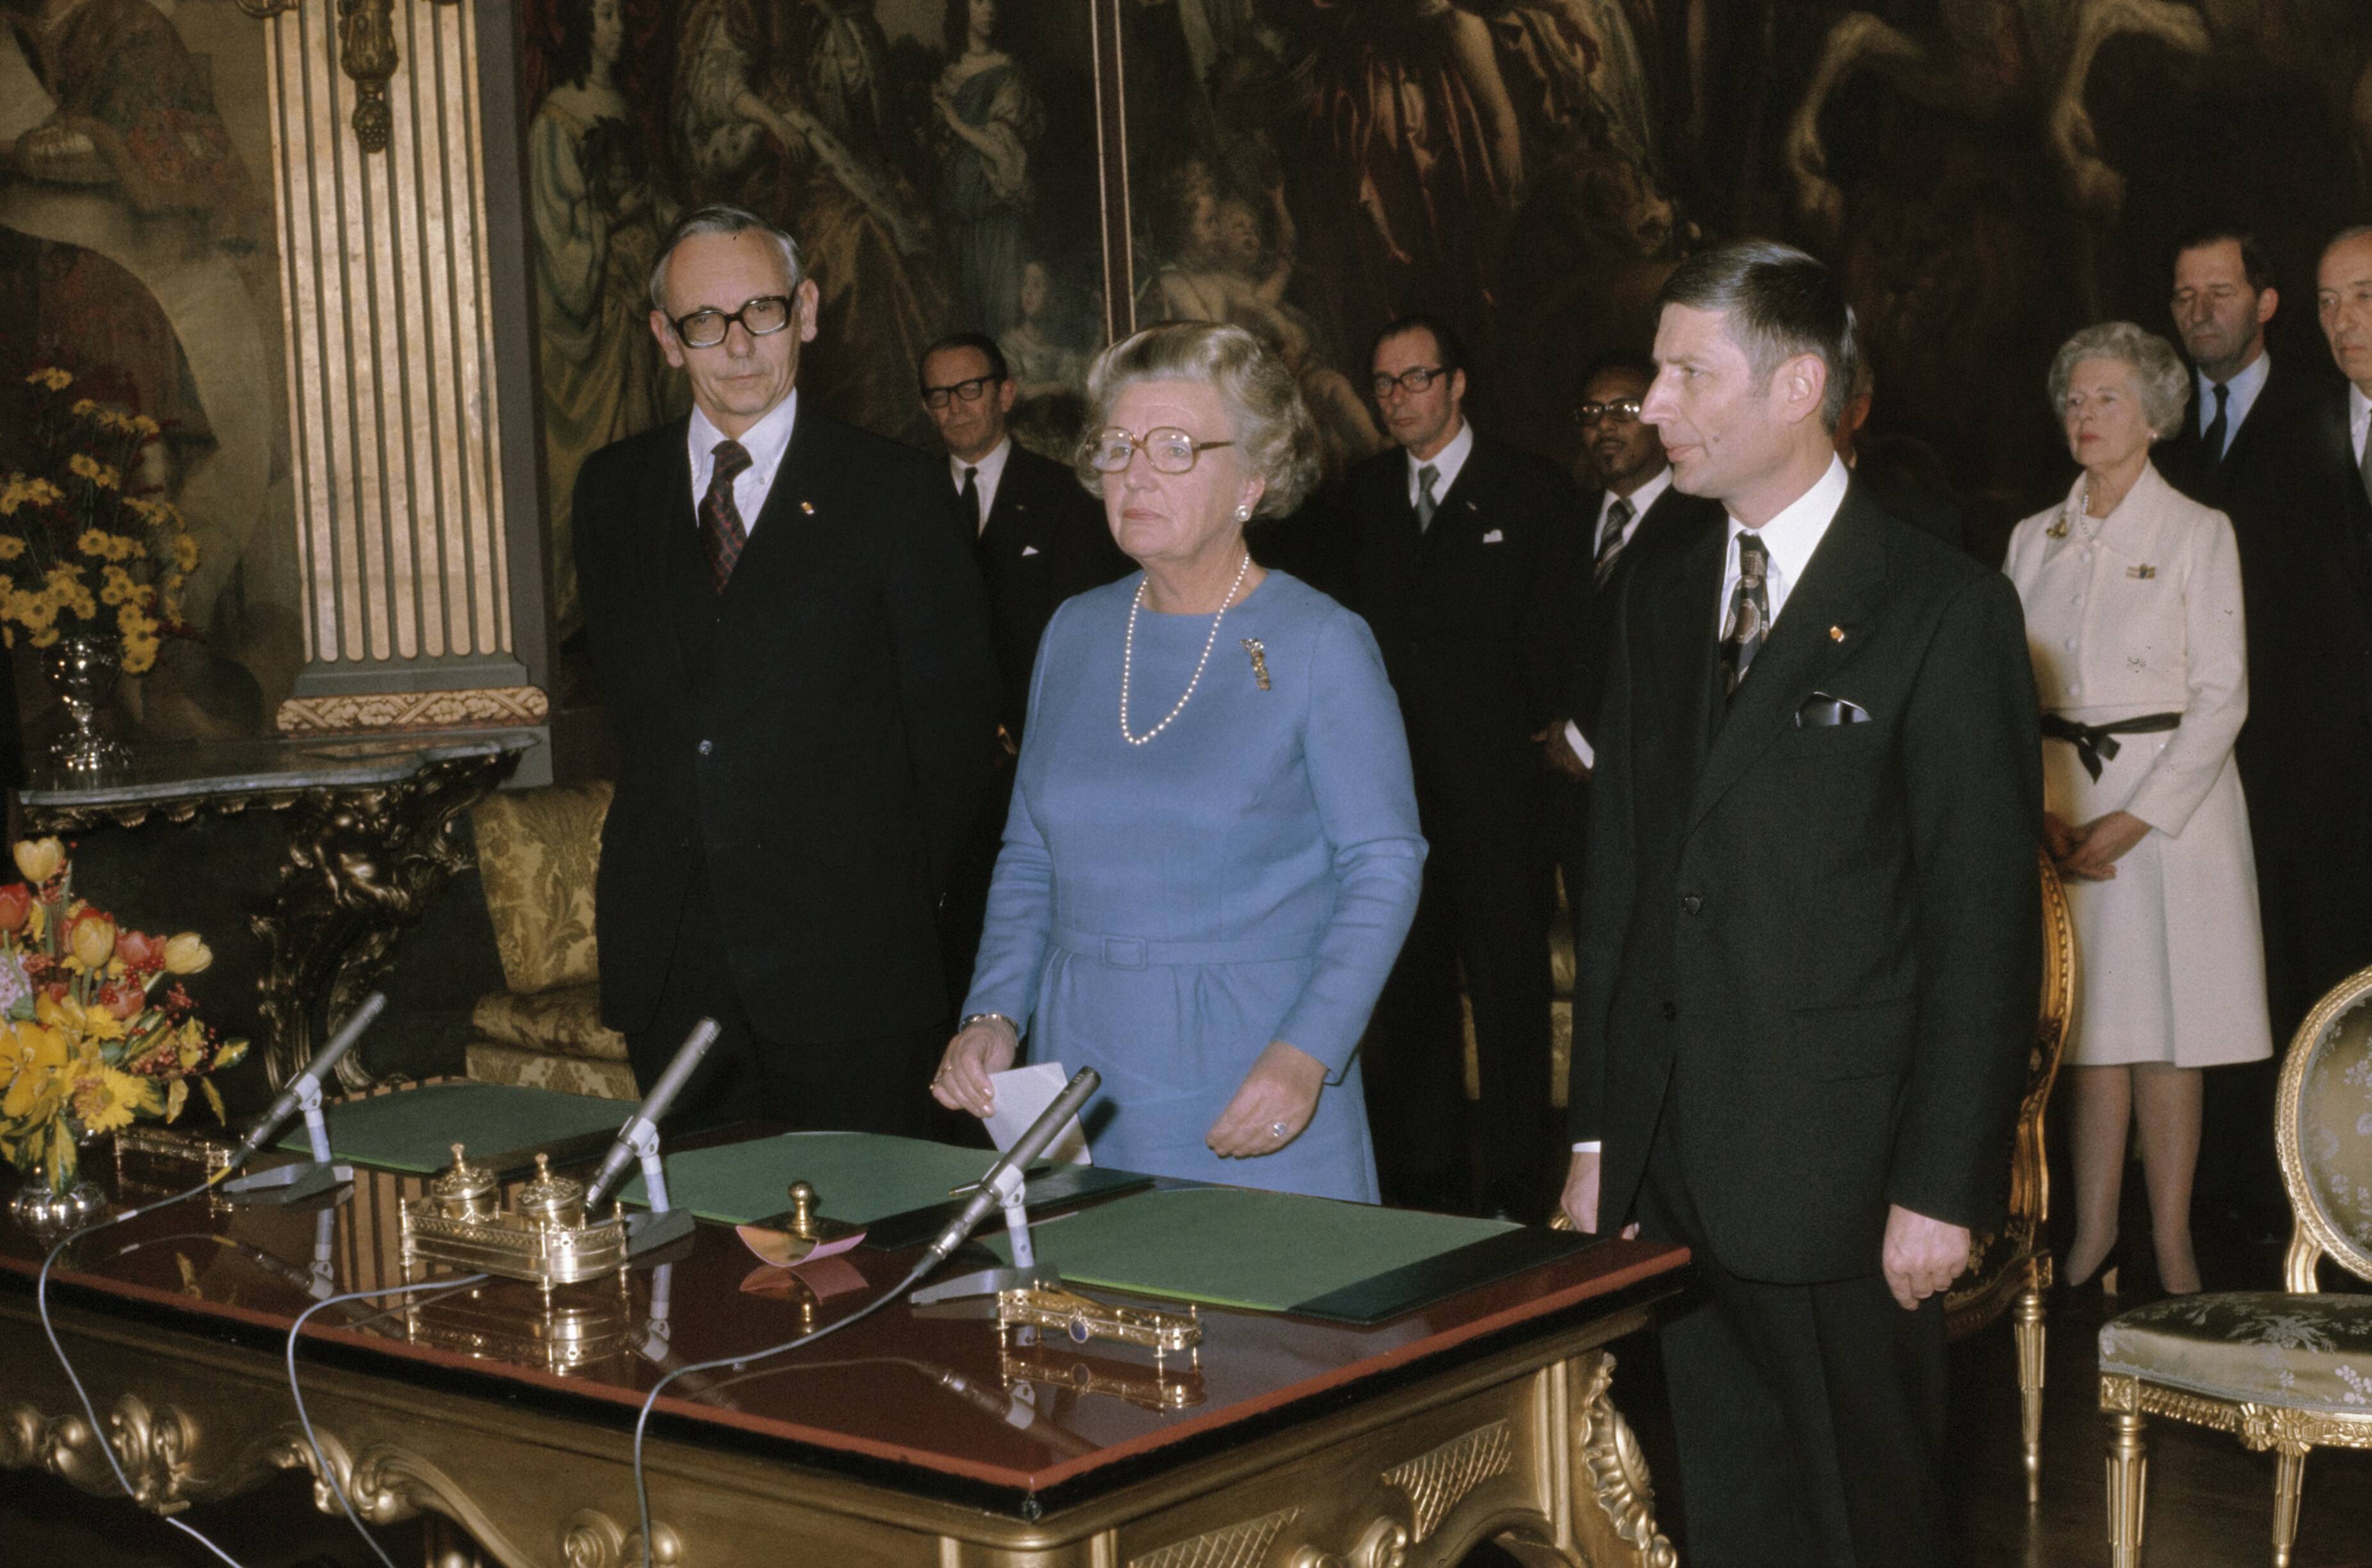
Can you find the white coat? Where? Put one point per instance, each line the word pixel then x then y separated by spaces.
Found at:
pixel 2131 614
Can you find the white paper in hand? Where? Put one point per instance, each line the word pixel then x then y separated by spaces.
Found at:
pixel 1021 1094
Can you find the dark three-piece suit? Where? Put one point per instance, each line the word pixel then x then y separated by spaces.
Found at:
pixel 799 758
pixel 1809 954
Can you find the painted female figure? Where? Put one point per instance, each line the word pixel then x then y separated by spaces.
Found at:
pixel 596 236
pixel 984 188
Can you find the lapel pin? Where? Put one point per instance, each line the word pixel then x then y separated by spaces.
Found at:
pixel 1836 634
pixel 2058 529
pixel 809 507
pixel 1260 660
pixel 2144 571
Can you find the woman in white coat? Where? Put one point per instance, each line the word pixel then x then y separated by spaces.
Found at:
pixel 2133 614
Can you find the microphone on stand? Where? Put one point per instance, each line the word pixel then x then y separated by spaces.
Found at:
pixel 1002 1187
pixel 640 1135
pixel 309 1178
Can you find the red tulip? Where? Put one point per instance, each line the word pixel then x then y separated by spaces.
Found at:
pixel 139 951
pixel 16 904
pixel 124 1000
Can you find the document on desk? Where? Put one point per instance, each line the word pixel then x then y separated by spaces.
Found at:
pixel 1022 1093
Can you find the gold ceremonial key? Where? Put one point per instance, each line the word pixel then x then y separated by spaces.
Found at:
pixel 1084 1318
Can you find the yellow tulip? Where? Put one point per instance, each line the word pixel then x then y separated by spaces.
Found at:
pixel 91 938
pixel 187 954
pixel 39 859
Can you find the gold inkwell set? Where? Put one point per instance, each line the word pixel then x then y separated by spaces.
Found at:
pixel 544 1238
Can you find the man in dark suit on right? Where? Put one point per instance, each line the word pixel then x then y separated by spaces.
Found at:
pixel 1040 538
pixel 2244 448
pixel 1450 533
pixel 1810 939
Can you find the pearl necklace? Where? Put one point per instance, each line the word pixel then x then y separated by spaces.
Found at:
pixel 1128 655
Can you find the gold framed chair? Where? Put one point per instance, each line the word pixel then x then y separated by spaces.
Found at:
pixel 2287 1370
pixel 2011 1270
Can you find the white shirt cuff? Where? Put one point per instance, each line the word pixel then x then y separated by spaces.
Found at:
pixel 1580 744
pixel 1591 1147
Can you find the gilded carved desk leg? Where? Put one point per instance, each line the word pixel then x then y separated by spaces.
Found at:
pixel 2289 1471
pixel 2026 1323
pixel 2128 1478
pixel 1609 1472
pixel 362 866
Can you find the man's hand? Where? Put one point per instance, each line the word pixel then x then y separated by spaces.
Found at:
pixel 2100 843
pixel 2059 837
pixel 1559 754
pixel 1921 1256
pixel 961 1082
pixel 1281 1091
pixel 1580 1201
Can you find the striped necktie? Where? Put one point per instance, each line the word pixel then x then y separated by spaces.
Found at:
pixel 1609 538
pixel 720 518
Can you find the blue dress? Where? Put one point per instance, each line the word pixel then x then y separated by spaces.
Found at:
pixel 1161 912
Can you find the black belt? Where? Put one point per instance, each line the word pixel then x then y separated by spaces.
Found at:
pixel 2094 741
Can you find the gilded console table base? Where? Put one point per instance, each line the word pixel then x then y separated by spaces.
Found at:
pixel 1532 1455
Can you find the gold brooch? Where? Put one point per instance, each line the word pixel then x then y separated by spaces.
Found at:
pixel 2144 571
pixel 1260 660
pixel 2057 529
pixel 1836 634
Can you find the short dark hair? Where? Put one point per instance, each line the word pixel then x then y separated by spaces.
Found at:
pixel 719 218
pixel 1448 346
pixel 2252 255
pixel 981 340
pixel 1631 362
pixel 1781 303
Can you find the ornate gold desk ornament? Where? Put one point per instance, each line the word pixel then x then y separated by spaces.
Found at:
pixel 1084 1318
pixel 791 1236
pixel 545 1239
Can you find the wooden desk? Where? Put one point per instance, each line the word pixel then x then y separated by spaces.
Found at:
pixel 1298 1444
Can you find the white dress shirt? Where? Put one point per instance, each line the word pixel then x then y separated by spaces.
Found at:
pixel 1646 495
pixel 2239 397
pixel 1789 539
pixel 1444 463
pixel 2359 420
pixel 765 441
pixel 990 468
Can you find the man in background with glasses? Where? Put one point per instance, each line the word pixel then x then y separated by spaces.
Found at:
pixel 790 642
pixel 1630 508
pixel 1040 538
pixel 1449 537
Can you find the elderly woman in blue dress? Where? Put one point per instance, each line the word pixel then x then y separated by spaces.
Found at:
pixel 1213 853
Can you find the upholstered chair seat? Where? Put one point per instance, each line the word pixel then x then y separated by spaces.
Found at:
pixel 2311 1353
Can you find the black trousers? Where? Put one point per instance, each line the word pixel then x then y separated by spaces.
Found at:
pixel 878 1083
pixel 1810 1417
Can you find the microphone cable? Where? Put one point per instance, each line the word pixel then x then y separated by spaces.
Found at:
pixel 741 1363
pixel 321 1459
pixel 90 1411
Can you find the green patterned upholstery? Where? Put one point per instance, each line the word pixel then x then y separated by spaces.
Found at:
pixel 2334 1129
pixel 2311 1353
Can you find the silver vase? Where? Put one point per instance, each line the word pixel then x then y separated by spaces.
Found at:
pixel 83 668
pixel 48 1215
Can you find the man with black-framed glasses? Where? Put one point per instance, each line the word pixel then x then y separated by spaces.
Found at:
pixel 1038 538
pixel 1449 537
pixel 791 647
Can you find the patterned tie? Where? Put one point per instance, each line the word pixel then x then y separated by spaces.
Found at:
pixel 971 500
pixel 1426 478
pixel 720 518
pixel 2212 436
pixel 1610 537
pixel 1749 612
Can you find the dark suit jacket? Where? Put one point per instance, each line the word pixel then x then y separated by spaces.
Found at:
pixel 2242 485
pixel 1045 540
pixel 1814 950
pixel 826 769
pixel 1581 608
pixel 1453 607
pixel 2305 532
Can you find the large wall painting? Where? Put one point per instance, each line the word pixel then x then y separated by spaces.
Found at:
pixel 137 253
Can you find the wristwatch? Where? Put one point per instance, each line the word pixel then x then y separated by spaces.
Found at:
pixel 969 1020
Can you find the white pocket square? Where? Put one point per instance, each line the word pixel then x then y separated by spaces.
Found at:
pixel 1495 537
pixel 1028 550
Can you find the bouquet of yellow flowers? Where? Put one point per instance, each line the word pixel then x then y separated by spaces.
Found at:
pixel 83 545
pixel 88 1043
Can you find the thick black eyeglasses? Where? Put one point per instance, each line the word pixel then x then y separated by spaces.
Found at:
pixel 1415 379
pixel 762 317
pixel 1621 412
pixel 935 397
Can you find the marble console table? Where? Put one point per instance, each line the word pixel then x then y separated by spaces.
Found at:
pixel 370 841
